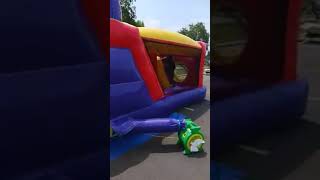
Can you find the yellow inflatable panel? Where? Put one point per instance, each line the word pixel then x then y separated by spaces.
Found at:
pixel 158 35
pixel 163 79
pixel 165 49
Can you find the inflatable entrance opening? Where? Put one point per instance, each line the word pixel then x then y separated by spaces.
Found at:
pixel 269 54
pixel 260 89
pixel 175 58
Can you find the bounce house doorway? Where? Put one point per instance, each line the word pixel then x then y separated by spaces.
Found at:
pixel 252 46
pixel 259 82
pixel 176 67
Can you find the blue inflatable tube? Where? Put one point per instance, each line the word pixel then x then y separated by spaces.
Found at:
pixel 155 125
pixel 239 118
pixel 160 109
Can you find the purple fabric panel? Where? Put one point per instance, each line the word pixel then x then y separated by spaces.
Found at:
pixel 128 92
pixel 128 97
pixel 122 67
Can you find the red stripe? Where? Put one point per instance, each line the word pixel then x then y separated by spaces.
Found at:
pixel 290 66
pixel 201 67
pixel 127 36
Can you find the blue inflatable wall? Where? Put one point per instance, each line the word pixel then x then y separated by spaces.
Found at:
pixel 53 87
pixel 127 89
pixel 238 118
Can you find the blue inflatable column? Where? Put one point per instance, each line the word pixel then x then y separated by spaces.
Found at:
pixel 155 125
pixel 115 10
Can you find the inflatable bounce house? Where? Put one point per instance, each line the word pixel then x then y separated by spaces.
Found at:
pixel 260 90
pixel 53 94
pixel 152 73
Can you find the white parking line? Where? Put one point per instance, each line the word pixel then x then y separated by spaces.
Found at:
pixel 189 109
pixel 254 150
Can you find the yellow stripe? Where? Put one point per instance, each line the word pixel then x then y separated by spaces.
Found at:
pixel 168 37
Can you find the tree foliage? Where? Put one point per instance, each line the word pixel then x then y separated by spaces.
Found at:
pixel 139 23
pixel 196 32
pixel 128 11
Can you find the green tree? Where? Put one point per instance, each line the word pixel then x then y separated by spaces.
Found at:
pixel 139 23
pixel 128 11
pixel 196 32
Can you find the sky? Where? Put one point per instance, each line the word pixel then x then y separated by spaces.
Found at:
pixel 173 15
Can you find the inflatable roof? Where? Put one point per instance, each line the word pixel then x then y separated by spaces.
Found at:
pixel 167 37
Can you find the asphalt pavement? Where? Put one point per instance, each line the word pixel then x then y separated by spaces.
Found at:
pixel 309 68
pixel 161 159
pixel 292 153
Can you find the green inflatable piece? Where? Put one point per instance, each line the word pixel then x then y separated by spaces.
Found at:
pixel 191 138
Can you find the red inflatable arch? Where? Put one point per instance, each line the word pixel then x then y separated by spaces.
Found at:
pixel 271 51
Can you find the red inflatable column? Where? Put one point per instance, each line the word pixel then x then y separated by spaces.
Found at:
pixel 290 65
pixel 202 59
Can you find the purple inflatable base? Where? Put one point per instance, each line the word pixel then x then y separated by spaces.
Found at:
pixel 159 109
